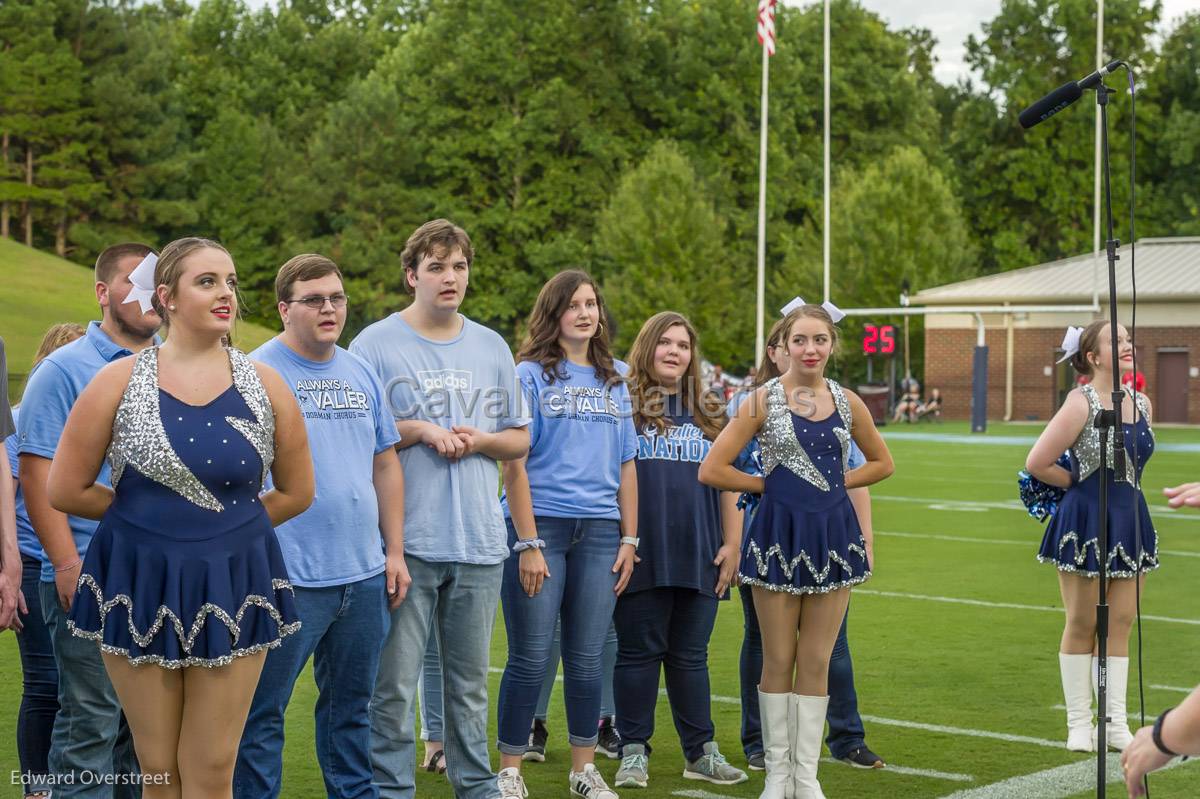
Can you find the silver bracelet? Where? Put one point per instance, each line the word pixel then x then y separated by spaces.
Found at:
pixel 628 539
pixel 528 543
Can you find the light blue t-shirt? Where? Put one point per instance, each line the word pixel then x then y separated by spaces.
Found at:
pixel 451 509
pixel 336 541
pixel 27 540
pixel 49 395
pixel 582 432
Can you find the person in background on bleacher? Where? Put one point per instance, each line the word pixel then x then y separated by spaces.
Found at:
pixel 1177 731
pixel 39 696
pixel 1070 541
pixel 90 733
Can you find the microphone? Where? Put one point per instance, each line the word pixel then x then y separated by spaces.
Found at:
pixel 1063 96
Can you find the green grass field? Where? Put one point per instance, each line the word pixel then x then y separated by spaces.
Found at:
pixel 40 290
pixel 959 697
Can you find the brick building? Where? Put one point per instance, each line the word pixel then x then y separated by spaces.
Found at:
pixel 1024 382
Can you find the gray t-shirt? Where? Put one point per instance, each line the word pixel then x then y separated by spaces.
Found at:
pixel 451 509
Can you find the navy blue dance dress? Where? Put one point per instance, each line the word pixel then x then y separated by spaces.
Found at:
pixel 184 568
pixel 1070 542
pixel 805 537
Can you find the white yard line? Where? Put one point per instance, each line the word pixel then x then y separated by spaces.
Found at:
pixel 967 505
pixel 1005 605
pixel 1054 783
pixel 914 772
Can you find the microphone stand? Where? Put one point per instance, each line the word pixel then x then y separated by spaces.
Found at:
pixel 1107 422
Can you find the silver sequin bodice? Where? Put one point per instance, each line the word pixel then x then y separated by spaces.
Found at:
pixel 1086 448
pixel 779 443
pixel 140 439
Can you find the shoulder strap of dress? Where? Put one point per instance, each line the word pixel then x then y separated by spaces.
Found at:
pixel 251 387
pixel 841 402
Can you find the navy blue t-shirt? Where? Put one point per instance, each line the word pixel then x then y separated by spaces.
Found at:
pixel 679 518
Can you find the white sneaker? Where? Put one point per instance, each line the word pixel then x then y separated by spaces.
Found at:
pixel 511 784
pixel 588 784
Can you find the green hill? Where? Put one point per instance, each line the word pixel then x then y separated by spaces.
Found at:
pixel 38 290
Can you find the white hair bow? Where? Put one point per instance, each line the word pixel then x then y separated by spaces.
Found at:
pixel 142 279
pixel 835 313
pixel 1070 342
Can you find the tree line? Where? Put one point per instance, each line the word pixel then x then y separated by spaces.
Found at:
pixel 620 136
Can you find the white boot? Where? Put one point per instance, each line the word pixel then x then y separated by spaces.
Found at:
pixel 1076 671
pixel 809 724
pixel 1117 730
pixel 774 711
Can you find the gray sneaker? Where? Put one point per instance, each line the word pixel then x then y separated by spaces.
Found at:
pixel 713 767
pixel 635 765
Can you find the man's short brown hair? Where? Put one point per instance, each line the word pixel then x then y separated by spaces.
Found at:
pixel 106 262
pixel 308 266
pixel 440 236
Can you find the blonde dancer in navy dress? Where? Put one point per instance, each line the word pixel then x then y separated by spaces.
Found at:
pixel 1070 542
pixel 183 585
pixel 804 548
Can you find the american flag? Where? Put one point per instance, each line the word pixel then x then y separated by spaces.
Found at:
pixel 766 25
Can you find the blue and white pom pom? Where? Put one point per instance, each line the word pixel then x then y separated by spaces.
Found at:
pixel 1041 499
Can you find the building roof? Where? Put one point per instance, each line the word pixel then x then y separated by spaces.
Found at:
pixel 1168 270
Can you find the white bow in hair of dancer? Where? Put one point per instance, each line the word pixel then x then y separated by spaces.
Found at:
pixel 1070 342
pixel 142 279
pixel 835 313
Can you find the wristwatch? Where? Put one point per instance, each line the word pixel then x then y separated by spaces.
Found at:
pixel 628 539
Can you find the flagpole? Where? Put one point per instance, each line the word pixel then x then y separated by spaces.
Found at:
pixel 762 214
pixel 825 201
pixel 1096 169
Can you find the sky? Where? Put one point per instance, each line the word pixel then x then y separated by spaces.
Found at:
pixel 951 21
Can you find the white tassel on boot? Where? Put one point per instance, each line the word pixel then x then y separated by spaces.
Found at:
pixel 1117 730
pixel 774 711
pixel 1076 672
pixel 809 724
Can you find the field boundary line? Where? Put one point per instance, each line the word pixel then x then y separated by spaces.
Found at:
pixel 907 771
pixel 969 505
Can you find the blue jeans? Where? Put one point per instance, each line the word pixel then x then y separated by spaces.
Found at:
pixel 664 629
pixel 90 733
pixel 39 697
pixel 608 707
pixel 579 554
pixel 846 731
pixel 430 688
pixel 460 599
pixel 343 631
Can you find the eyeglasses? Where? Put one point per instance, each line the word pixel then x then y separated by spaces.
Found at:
pixel 317 302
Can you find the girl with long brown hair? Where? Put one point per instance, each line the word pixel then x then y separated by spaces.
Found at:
pixel 572 523
pixel 691 535
pixel 1071 539
pixel 805 546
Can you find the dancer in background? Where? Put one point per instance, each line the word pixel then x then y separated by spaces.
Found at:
pixel 39 696
pixel 1070 542
pixel 847 736
pixel 183 586
pixel 805 546
pixel 572 506
pixel 691 538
